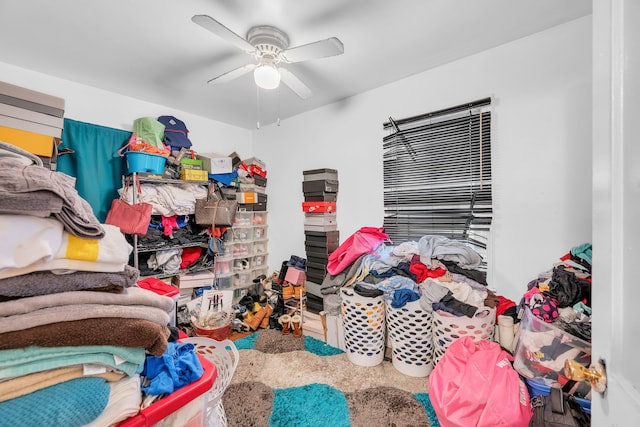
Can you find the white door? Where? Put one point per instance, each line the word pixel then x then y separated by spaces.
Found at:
pixel 616 209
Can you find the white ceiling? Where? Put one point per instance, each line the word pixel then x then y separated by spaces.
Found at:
pixel 151 50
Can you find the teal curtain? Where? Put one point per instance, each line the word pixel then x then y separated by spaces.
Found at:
pixel 95 162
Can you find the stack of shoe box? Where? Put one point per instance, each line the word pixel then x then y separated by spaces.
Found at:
pixel 32 121
pixel 253 196
pixel 320 188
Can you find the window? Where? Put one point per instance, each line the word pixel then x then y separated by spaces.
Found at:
pixel 437 175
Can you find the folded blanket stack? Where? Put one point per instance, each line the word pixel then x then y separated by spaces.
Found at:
pixel 75 329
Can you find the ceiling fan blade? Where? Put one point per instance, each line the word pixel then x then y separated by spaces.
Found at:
pixel 320 49
pixel 233 74
pixel 210 24
pixel 295 84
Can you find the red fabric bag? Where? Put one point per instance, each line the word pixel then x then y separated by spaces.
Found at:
pixel 131 219
pixel 364 241
pixel 476 385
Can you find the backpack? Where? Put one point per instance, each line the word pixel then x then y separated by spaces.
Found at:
pixel 474 384
pixel 558 409
pixel 175 133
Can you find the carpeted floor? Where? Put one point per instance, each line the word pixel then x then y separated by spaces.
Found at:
pixel 282 381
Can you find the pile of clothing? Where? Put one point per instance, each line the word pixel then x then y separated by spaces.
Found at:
pixel 442 273
pixel 75 329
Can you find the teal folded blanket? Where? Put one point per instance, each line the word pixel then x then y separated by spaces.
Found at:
pixel 71 403
pixel 23 361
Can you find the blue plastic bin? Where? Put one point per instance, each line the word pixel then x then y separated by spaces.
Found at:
pixel 138 161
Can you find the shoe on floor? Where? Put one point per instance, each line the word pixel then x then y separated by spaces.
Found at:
pixel 285 321
pixel 296 325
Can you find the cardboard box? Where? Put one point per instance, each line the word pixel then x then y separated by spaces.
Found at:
pixel 235 159
pixel 21 124
pixel 194 280
pixel 194 175
pixel 38 144
pixel 255 161
pixel 256 170
pixel 316 174
pixel 318 263
pixel 31 116
pixel 330 227
pixel 295 276
pixel 191 164
pixel 246 197
pixel 323 237
pixel 320 219
pixel 260 181
pixel 322 185
pixel 316 252
pixel 215 163
pixel 320 196
pixel 320 207
pixel 31 100
pixel 316 266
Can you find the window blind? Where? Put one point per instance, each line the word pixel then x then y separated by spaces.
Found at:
pixel 437 175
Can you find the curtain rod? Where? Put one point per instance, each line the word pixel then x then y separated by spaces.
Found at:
pixel 396 123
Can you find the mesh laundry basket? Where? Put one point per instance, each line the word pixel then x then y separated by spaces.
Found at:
pixel 364 328
pixel 448 327
pixel 409 332
pixel 225 356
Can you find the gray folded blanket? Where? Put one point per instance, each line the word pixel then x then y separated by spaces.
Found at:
pixel 76 213
pixel 129 297
pixel 47 282
pixel 67 313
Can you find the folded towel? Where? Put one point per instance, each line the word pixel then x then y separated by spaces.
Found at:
pixel 48 282
pixel 76 213
pixel 35 244
pixel 106 331
pixel 14 152
pixel 25 384
pixel 28 359
pixel 130 296
pixel 125 401
pixel 70 404
pixel 66 313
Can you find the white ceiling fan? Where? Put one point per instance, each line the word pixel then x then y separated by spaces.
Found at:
pixel 270 48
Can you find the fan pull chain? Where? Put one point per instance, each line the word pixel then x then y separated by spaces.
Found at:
pixel 278 120
pixel 258 107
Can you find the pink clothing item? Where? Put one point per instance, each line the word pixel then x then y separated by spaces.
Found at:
pixel 364 241
pixel 169 223
pixel 474 384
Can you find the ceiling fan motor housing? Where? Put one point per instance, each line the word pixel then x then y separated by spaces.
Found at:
pixel 269 41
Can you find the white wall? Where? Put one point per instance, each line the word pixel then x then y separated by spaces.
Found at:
pixel 541 90
pixel 541 132
pixel 91 105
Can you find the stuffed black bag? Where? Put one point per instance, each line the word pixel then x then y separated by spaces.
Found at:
pixel 558 409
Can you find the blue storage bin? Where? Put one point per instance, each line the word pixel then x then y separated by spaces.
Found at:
pixel 537 389
pixel 139 161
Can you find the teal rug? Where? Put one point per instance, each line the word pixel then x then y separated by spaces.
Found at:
pixel 283 382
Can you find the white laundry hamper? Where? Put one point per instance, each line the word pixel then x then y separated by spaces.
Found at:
pixel 409 333
pixel 225 356
pixel 364 327
pixel 448 327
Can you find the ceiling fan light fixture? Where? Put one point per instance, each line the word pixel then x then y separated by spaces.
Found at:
pixel 267 76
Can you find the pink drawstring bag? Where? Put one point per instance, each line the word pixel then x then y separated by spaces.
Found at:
pixel 363 241
pixel 474 384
